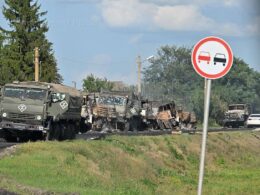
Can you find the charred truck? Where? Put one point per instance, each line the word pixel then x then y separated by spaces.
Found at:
pixel 236 115
pixel 149 113
pixel 36 109
pixel 170 117
pixel 116 110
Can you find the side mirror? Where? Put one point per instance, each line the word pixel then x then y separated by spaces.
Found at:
pixel 57 97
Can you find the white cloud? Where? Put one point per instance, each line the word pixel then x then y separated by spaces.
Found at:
pixel 231 3
pixel 182 18
pixel 124 12
pixel 171 15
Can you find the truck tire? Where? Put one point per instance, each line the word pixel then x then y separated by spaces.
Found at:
pixel 54 132
pixel 70 131
pixel 160 124
pixel 127 126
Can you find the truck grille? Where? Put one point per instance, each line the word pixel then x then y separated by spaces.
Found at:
pixel 233 115
pixel 21 116
pixel 106 111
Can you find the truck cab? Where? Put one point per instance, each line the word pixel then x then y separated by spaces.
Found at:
pixel 35 109
pixel 116 110
pixel 236 115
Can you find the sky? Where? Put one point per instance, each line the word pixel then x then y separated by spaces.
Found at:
pixel 104 37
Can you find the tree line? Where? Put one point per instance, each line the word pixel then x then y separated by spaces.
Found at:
pixel 27 30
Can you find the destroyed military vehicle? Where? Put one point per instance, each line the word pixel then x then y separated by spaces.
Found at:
pixel 149 112
pixel 236 115
pixel 116 110
pixel 37 109
pixel 168 117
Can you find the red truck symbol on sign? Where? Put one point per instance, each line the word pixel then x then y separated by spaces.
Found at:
pixel 204 56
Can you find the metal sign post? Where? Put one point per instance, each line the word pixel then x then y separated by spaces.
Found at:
pixel 204 134
pixel 212 58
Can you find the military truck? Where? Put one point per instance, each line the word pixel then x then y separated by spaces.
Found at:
pixel 236 115
pixel 170 117
pixel 167 116
pixel 37 109
pixel 89 101
pixel 148 113
pixel 116 110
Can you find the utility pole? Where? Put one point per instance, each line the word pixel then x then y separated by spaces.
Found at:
pixel 75 84
pixel 139 64
pixel 36 64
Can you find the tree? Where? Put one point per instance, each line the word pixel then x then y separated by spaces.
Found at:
pixel 95 84
pixel 27 31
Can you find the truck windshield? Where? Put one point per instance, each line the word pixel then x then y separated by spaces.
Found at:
pixel 236 107
pixel 25 93
pixel 110 100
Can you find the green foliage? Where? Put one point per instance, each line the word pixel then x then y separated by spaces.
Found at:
pixel 27 31
pixel 172 77
pixel 95 84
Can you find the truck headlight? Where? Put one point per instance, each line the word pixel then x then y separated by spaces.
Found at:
pixel 4 114
pixel 39 117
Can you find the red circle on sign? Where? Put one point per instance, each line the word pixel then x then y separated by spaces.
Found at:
pixel 201 72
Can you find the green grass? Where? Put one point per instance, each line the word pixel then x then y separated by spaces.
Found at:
pixel 135 165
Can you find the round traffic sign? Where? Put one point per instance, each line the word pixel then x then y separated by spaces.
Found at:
pixel 212 58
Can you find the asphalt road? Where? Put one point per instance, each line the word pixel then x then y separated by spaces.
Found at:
pixel 6 144
pixel 94 135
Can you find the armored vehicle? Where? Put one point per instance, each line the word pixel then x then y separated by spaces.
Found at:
pixel 36 109
pixel 117 110
pixel 236 115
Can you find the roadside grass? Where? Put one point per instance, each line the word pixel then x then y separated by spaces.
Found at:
pixel 135 165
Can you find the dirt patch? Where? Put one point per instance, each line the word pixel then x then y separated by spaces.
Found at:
pixel 7 151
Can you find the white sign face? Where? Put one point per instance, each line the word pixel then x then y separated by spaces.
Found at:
pixel 212 58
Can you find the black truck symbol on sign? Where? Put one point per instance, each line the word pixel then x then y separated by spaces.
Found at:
pixel 220 58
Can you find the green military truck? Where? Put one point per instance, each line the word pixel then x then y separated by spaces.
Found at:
pixel 39 110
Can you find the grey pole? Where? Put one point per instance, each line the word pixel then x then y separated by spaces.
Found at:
pixel 204 134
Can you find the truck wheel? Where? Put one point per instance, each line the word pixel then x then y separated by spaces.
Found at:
pixel 127 126
pixel 173 123
pixel 160 124
pixel 10 138
pixel 54 132
pixel 70 131
pixel 155 125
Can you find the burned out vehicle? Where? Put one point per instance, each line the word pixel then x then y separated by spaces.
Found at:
pixel 37 109
pixel 116 110
pixel 170 117
pixel 167 116
pixel 89 101
pixel 149 113
pixel 236 115
pixel 187 120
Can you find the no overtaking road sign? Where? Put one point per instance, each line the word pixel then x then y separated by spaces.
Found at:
pixel 212 58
